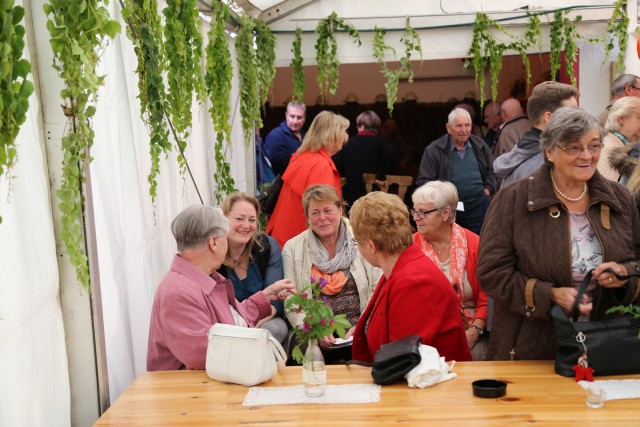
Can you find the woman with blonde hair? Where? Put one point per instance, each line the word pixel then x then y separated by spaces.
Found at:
pixel 454 250
pixel 413 295
pixel 253 260
pixel 623 125
pixel 311 164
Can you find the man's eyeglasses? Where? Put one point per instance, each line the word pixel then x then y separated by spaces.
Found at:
pixel 421 214
pixel 633 87
pixel 575 150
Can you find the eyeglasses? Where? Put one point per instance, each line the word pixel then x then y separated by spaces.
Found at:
pixel 421 214
pixel 575 150
pixel 633 87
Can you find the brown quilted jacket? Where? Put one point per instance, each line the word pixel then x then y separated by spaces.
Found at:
pixel 521 240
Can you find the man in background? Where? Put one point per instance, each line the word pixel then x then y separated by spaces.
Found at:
pixel 284 140
pixel 624 85
pixel 515 125
pixel 493 121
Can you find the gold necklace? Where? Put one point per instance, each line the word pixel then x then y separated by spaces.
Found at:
pixel 571 199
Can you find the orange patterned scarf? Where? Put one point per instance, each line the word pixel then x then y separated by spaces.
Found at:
pixel 336 281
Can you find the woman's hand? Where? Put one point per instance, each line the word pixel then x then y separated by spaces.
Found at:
pixel 349 332
pixel 565 297
pixel 327 342
pixel 472 336
pixel 279 290
pixel 609 280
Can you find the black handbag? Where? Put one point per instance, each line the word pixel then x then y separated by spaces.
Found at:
pixel 394 360
pixel 269 196
pixel 611 347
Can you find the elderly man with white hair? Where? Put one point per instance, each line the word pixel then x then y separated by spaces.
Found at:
pixel 466 161
pixel 193 296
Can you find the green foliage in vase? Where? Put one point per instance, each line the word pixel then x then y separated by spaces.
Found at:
pixel 411 42
pixel 248 78
pixel 617 29
pixel 145 32
pixel 217 82
pixel 327 52
pixel 183 50
pixel 299 81
pixel 319 320
pixel 265 58
pixel 15 89
pixel 79 31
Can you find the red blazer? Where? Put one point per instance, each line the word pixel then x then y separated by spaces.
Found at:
pixel 479 297
pixel 417 298
pixel 305 169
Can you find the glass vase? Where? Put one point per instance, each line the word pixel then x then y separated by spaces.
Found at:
pixel 314 371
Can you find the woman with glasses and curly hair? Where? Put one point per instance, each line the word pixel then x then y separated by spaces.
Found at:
pixel 455 250
pixel 542 234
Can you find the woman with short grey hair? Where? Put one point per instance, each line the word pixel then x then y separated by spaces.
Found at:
pixel 193 296
pixel 454 249
pixel 543 234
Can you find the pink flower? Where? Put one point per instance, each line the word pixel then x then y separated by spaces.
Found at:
pixel 299 309
pixel 322 282
pixel 305 295
pixel 323 321
pixel 331 323
pixel 305 327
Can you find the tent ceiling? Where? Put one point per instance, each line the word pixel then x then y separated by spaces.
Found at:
pixel 265 10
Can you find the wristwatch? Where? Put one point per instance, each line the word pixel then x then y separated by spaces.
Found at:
pixel 478 329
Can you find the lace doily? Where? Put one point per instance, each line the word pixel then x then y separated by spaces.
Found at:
pixel 615 389
pixel 347 393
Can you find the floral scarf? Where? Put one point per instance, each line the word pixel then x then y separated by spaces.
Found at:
pixel 458 257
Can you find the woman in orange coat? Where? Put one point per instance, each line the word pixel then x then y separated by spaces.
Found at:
pixel 310 165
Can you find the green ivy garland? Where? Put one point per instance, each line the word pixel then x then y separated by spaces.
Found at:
pixel 299 80
pixel 532 35
pixel 570 47
pixel 145 32
pixel 617 28
pixel 265 58
pixel 327 52
pixel 563 36
pixel 183 50
pixel 217 80
pixel 411 42
pixel 78 31
pixel 15 89
pixel 248 78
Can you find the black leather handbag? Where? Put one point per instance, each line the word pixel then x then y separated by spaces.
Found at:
pixel 394 360
pixel 612 347
pixel 269 196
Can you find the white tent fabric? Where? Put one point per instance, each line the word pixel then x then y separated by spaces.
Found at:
pixel 34 379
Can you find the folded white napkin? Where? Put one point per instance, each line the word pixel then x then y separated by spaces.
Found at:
pixel 431 370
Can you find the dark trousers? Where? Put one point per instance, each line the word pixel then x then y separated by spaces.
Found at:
pixel 473 219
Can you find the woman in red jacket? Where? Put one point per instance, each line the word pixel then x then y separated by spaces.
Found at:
pixel 311 164
pixel 455 250
pixel 413 295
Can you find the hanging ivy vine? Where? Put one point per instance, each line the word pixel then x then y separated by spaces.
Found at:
pixel 145 32
pixel 217 80
pixel 299 80
pixel 327 52
pixel 532 35
pixel 563 35
pixel 15 89
pixel 78 31
pixel 411 42
pixel 265 58
pixel 617 29
pixel 183 50
pixel 248 79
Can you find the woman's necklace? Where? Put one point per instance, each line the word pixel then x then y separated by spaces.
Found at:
pixel 439 251
pixel 571 199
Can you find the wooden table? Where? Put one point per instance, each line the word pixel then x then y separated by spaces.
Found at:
pixel 535 396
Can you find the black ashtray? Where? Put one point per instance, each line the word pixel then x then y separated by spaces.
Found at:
pixel 489 388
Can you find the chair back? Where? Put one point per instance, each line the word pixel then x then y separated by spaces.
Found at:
pixel 403 182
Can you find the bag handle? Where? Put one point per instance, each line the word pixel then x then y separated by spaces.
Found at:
pixel 357 362
pixel 278 351
pixel 583 287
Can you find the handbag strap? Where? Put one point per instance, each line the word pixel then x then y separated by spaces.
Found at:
pixel 278 351
pixel 358 362
pixel 583 287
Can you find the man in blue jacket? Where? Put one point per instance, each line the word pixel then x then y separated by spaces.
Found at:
pixel 284 140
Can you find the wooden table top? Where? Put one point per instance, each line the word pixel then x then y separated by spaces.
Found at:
pixel 535 395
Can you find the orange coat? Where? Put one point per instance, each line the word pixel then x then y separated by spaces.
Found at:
pixel 305 169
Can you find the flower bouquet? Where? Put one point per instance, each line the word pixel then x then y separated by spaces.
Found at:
pixel 319 320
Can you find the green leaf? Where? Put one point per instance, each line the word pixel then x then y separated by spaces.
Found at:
pixel 112 28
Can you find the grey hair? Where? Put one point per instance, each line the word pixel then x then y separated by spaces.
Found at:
pixel 621 82
pixel 441 194
pixel 458 112
pixel 622 108
pixel 298 105
pixel 195 225
pixel 567 125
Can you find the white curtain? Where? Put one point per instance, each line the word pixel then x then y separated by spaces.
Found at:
pixel 34 379
pixel 135 245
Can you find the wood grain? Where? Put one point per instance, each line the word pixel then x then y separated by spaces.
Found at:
pixel 535 395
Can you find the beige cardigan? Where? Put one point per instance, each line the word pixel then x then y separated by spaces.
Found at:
pixel 610 142
pixel 297 267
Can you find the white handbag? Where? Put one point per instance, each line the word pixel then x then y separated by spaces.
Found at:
pixel 246 356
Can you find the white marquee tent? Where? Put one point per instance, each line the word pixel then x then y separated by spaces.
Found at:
pixel 65 354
